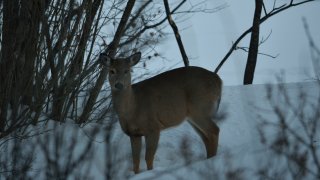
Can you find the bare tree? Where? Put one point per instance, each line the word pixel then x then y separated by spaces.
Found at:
pixel 15 163
pixel 292 136
pixel 63 154
pixel 253 48
pixel 49 53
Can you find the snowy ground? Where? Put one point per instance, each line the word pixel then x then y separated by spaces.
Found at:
pixel 239 147
pixel 181 153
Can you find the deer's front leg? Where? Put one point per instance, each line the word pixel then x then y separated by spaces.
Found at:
pixel 136 149
pixel 151 147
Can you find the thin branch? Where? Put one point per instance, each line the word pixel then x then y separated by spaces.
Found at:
pixel 264 8
pixel 139 11
pixel 310 39
pixel 197 8
pixel 111 50
pixel 176 33
pixel 146 27
pixel 263 40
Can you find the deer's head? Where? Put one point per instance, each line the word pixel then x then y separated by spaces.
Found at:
pixel 119 70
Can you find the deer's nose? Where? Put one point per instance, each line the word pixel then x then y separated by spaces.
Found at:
pixel 118 86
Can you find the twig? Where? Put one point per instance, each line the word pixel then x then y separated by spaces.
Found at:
pixel 264 8
pixel 146 27
pixel 246 49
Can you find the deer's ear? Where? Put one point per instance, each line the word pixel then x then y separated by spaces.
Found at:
pixel 105 59
pixel 134 58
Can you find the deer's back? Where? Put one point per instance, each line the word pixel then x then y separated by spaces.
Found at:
pixel 171 96
pixel 186 79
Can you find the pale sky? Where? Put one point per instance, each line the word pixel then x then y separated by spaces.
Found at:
pixel 208 37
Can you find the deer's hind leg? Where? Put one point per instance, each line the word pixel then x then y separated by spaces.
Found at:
pixel 209 133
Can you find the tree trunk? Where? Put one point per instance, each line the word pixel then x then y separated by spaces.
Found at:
pixel 254 45
pixel 7 62
pixel 21 24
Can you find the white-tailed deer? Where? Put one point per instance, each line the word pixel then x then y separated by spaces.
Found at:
pixel 163 101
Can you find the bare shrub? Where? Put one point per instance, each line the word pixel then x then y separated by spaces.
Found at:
pixel 292 136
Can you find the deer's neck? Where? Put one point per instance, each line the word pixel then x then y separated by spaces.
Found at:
pixel 123 102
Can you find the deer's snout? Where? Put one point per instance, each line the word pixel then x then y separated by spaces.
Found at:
pixel 118 86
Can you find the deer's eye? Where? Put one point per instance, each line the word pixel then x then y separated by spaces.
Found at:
pixel 126 71
pixel 112 71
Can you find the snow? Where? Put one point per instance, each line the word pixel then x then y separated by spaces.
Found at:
pixel 239 138
pixel 181 153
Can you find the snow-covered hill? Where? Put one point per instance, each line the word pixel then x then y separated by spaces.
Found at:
pixel 255 116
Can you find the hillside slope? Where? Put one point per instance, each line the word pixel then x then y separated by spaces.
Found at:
pixel 240 149
pixel 267 131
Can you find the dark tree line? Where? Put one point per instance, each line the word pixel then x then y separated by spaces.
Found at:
pixel 49 52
